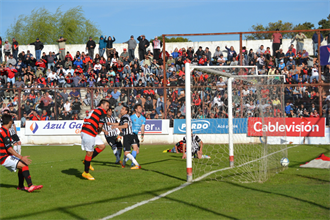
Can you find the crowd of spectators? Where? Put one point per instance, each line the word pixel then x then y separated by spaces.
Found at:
pixel 52 82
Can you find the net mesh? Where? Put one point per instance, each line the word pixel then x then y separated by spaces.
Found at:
pixel 253 97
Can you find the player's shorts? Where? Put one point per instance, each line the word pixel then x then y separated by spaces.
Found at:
pixel 137 139
pixel 15 138
pixel 112 142
pixel 11 163
pixel 88 142
pixel 129 140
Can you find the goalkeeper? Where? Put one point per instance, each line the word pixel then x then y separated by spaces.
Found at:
pixel 112 136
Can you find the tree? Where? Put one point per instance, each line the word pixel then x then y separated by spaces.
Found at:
pixel 272 26
pixel 325 24
pixel 172 39
pixel 305 26
pixel 48 27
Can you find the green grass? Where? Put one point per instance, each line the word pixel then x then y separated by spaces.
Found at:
pixel 295 193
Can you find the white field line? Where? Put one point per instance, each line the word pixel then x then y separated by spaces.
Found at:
pixel 184 185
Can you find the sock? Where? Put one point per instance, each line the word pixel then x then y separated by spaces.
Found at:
pixel 20 179
pixel 119 153
pixel 124 160
pixel 15 147
pixel 115 152
pixel 19 149
pixel 134 153
pixel 87 163
pixel 26 175
pixel 96 152
pixel 130 156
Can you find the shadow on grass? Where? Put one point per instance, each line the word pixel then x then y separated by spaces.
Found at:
pixel 73 172
pixel 7 186
pixel 165 174
pixel 153 193
pixel 313 178
pixel 279 194
pixel 106 163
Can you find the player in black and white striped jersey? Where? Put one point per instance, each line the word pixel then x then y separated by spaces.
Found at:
pixel 13 134
pixel 112 136
pixel 196 146
pixel 128 138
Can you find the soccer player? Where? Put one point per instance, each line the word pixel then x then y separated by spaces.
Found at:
pixel 129 138
pixel 178 148
pixel 13 134
pixel 138 122
pixel 92 125
pixel 10 159
pixel 196 148
pixel 111 135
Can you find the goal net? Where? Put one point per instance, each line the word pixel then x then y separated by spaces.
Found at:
pixel 231 110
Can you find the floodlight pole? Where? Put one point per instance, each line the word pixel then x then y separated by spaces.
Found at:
pixel 188 122
pixel 230 122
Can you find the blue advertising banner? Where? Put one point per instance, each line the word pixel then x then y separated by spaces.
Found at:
pixel 211 126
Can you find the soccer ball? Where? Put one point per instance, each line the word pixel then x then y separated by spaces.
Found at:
pixel 285 162
pixel 118 139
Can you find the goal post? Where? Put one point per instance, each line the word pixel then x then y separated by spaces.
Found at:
pixel 233 74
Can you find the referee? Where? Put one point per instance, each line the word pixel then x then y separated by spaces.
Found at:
pixel 111 135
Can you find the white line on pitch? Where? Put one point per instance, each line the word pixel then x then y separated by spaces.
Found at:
pixel 146 201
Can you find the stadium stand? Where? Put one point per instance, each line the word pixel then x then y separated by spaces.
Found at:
pixel 56 89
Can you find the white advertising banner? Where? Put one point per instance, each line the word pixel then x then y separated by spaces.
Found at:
pixel 53 127
pixel 74 127
pixel 301 140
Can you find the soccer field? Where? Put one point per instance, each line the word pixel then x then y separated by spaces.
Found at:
pixel 295 193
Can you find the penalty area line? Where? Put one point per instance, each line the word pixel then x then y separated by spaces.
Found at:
pixel 145 202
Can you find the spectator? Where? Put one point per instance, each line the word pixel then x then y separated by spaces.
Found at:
pixel 300 41
pixel 261 50
pixel 38 45
pixel 6 49
pixel 109 45
pixel 90 46
pixel 61 47
pixel 15 47
pixel 102 45
pixel 277 39
pixel 143 44
pixel 231 53
pixel 157 44
pixel 290 63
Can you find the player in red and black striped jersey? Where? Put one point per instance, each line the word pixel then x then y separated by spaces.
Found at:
pixel 178 148
pixel 93 124
pixel 10 159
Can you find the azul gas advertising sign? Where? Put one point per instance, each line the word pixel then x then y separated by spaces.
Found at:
pixel 74 127
pixel 211 126
pixel 291 127
pixel 53 127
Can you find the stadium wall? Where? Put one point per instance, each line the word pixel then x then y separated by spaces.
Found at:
pixel 254 44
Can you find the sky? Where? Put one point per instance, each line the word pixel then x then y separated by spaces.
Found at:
pixel 153 18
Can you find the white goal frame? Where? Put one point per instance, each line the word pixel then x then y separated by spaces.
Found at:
pixel 208 69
